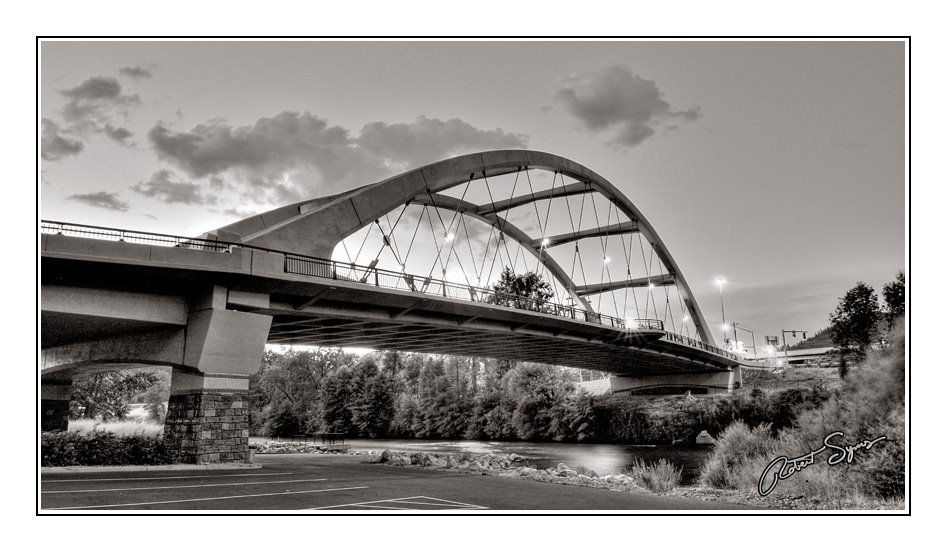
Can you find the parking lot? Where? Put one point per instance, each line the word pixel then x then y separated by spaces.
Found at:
pixel 329 483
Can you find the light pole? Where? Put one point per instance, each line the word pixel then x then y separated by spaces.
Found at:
pixel 723 316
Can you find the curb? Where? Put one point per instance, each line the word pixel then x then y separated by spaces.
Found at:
pixel 167 467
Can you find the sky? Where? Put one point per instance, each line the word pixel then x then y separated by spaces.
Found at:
pixel 778 165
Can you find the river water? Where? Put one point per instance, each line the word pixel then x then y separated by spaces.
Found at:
pixel 604 459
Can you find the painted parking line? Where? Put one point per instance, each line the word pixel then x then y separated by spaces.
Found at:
pixel 406 503
pixel 205 499
pixel 44 480
pixel 120 489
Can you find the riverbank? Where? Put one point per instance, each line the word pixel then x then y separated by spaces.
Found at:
pixel 638 481
pixel 516 466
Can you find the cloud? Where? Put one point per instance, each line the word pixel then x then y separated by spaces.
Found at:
pixel 118 134
pixel 136 72
pixel 163 187
pixel 54 145
pixel 105 200
pixel 616 99
pixel 426 140
pixel 94 103
pixel 292 156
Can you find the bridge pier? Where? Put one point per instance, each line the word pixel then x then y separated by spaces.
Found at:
pixel 207 419
pixel 54 404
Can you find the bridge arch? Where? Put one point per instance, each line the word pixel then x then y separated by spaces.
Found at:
pixel 317 226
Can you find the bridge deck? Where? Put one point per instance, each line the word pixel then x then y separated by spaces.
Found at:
pixel 316 310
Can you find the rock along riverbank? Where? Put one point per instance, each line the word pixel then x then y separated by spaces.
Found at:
pixel 514 465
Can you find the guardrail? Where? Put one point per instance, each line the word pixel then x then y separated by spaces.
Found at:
pixel 117 234
pixel 378 277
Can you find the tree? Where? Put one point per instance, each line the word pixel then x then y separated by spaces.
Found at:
pixel 521 291
pixel 372 399
pixel 107 394
pixel 893 292
pixel 855 325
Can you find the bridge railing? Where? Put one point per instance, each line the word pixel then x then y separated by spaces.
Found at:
pixel 698 344
pixel 119 235
pixel 378 277
pixel 374 276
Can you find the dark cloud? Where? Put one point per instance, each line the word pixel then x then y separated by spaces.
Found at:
pixel 54 145
pixel 136 72
pixel 426 140
pixel 163 187
pixel 95 88
pixel 291 155
pixel 616 99
pixel 105 200
pixel 118 134
pixel 94 103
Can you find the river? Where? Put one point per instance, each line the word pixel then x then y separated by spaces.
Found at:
pixel 603 458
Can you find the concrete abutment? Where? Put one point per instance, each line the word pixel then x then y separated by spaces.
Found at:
pixel 54 404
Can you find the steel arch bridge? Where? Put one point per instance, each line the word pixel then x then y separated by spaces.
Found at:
pixel 408 264
pixel 356 270
pixel 323 226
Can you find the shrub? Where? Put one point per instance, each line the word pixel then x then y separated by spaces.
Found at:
pixel 101 448
pixel 659 477
pixel 738 450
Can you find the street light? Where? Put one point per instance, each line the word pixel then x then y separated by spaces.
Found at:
pixel 723 316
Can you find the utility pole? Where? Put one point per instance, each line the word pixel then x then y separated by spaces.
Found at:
pixel 752 335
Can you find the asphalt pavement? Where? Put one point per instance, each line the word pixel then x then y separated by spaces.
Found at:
pixel 332 483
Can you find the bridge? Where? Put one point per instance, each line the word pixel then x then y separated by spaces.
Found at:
pixel 206 306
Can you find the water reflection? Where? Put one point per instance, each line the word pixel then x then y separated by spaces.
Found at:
pixel 602 458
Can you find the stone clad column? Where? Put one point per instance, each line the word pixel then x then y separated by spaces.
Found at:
pixel 54 404
pixel 207 417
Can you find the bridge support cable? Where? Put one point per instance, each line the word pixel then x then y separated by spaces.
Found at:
pixel 450 234
pixel 388 237
pixel 684 316
pixel 411 244
pixel 627 253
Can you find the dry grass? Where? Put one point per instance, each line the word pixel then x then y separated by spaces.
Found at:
pixel 660 477
pixel 145 429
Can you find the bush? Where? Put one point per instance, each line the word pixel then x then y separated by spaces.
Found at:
pixel 659 477
pixel 739 449
pixel 101 448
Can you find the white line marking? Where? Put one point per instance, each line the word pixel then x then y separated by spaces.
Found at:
pixel 406 500
pixel 181 486
pixel 444 500
pixel 44 480
pixel 434 504
pixel 382 507
pixel 204 499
